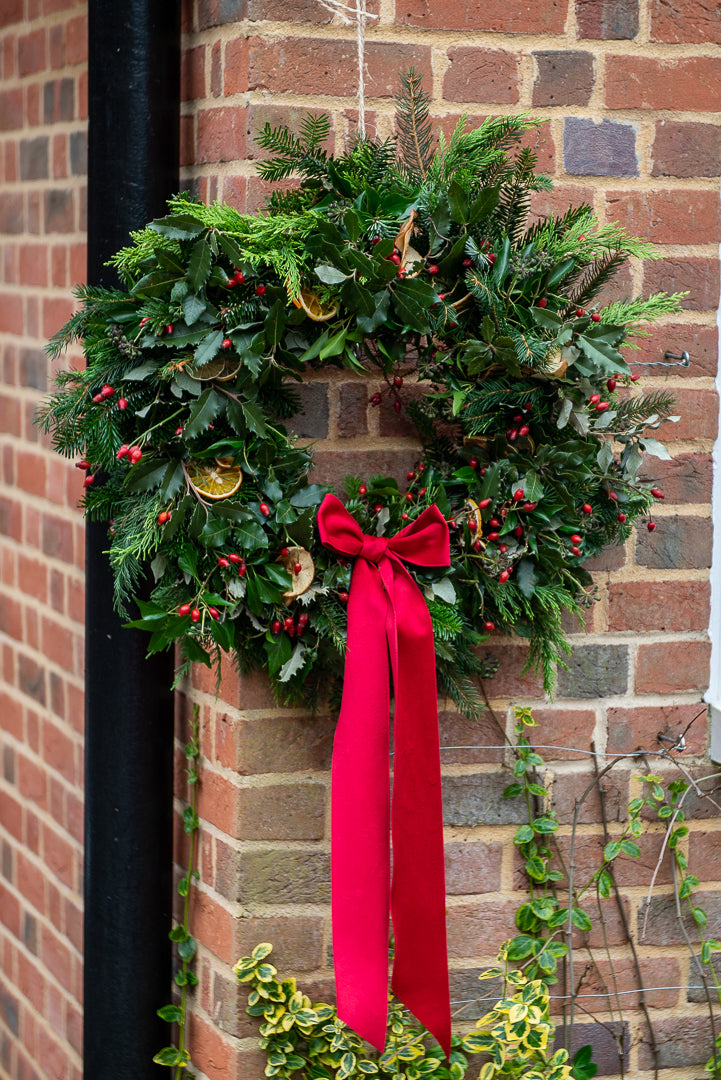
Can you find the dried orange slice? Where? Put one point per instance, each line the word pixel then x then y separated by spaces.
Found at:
pixel 474 514
pixel 221 368
pixel 217 479
pixel 314 307
pixel 301 579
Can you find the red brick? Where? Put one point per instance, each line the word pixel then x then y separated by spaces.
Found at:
pixel 640 82
pixel 667 217
pixel 213 1053
pixel 487 75
pixel 637 727
pixel 219 801
pixel 11 815
pixel 59 752
pixel 701 342
pixel 667 666
pixel 235 69
pixel 563 77
pixel 562 728
pixel 480 928
pixel 480 739
pixel 32 53
pixel 192 73
pixel 509 17
pixel 214 926
pixel 11 12
pixel 321 66
pixel 76 39
pixel 698 410
pixel 220 134
pixel 684 479
pixel 59 856
pixel 698 277
pixel 686 149
pixel 680 21
pixel 32 781
pixel 662 606
pixel 56 956
pixel 508 682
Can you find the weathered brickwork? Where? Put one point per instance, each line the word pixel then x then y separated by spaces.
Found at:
pixel 631 126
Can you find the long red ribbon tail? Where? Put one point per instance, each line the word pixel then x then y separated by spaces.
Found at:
pixel 360 854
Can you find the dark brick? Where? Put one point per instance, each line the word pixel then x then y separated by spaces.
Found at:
pixel 478 800
pixel 683 149
pixel 6 861
pixel 230 1000
pixel 698 277
pixel 59 100
pixel 663 926
pixel 610 1043
pixel 297 939
pixel 312 420
pixel 79 153
pixel 283 812
pixel 9 764
pixel 330 467
pixel 696 806
pixel 607 20
pixel 481 75
pixel 295 877
pixel 594 671
pixel 300 11
pixel 31 678
pixel 611 558
pixel 682 543
pixel 12 218
pixel 478 928
pixel 59 211
pixel 684 479
pixel 9 1011
pixel 466 990
pixel 473 867
pixel 30 932
pixel 562 78
pixel 34 158
pixel 637 727
pixel 605 149
pixel 476 735
pixel 353 409
pixel 570 788
pixel 298 744
pixel 33 368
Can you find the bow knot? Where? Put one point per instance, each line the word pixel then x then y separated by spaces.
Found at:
pixel 374 548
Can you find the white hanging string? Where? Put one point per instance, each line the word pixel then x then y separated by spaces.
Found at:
pixel 357 15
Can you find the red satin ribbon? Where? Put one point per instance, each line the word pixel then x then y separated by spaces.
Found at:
pixel 387 616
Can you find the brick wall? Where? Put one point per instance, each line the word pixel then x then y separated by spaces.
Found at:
pixel 626 88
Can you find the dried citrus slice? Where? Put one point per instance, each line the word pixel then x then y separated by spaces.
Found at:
pixel 474 514
pixel 299 564
pixel 221 368
pixel 314 307
pixel 215 479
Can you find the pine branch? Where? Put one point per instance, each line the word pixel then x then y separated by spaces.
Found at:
pixel 415 131
pixel 593 280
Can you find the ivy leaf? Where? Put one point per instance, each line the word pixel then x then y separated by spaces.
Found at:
pixel 199 265
pixel 330 275
pixel 169 1055
pixel 202 413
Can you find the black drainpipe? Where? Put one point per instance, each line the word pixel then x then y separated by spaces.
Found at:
pixel 134 107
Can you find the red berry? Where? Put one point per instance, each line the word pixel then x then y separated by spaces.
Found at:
pixel 489 626
pixel 290 630
pixel 89 479
pixel 397 406
pixel 227 343
pixel 85 464
pixel 98 399
pixel 375 240
pixel 231 283
pixel 122 452
pixel 107 390
pixel 441 296
pixel 242 569
pixel 288 622
pixel 343 597
pixel 484 471
pixel 518 495
pixel 401 272
pixel 284 552
pixel 260 290
pixel 303 618
pixel 493 536
pixel 363 490
pixel 223 563
pixel 466 262
pixel 404 516
pixel 184 609
pixel 529 506
pixel 518 531
pixel 523 429
pixel 235 558
pixel 213 612
pixel 613 496
pixel 277 626
pixel 594 398
pixel 395 258
pixel 611 384
pixel 512 434
pixel 377 508
pixel 657 493
pixel 452 523
pixel 473 463
pixel 410 476
pixel 576 539
pixel 422 491
pixel 195 614
pixel 169 328
pixel 145 320
pixel 504 575
pixel 576 550
pixel 163 517
pixel 582 236
pixel 478 545
pixel 602 406
pixel 494 523
pixel 433 269
pixel 635 378
pixel 179 430
pixel 122 404
pixel 502 548
pixel 651 526
pixel 491 256
pixel 472 524
pixel 484 502
pixel 264 509
pixel 580 311
pixel 595 317
pixel 297 567
pixel 239 277
pixel 398 380
pixel 517 418
pixel 543 302
pixel 376 399
pixel 587 508
pixel 135 454
pixel 622 518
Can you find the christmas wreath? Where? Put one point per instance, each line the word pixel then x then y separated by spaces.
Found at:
pixel 408 262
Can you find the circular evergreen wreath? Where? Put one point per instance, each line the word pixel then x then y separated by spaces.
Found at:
pixel 403 264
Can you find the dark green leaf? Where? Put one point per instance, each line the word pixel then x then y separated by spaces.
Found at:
pixel 202 412
pixel 172 481
pixel 193 307
pixel 177 226
pixel 274 324
pixel 253 416
pixel 171 1013
pixel 146 474
pixel 199 265
pixel 330 275
pixel 209 347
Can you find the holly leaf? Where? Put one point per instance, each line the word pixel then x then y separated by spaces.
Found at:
pixel 294 664
pixel 250 535
pixel 199 265
pixel 209 346
pixel 177 226
pixel 172 480
pixel 202 413
pixel 146 474
pixel 253 416
pixel 274 324
pixel 526 577
pixel 230 249
pixel 193 307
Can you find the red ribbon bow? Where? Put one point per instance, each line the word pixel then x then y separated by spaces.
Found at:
pixel 387 616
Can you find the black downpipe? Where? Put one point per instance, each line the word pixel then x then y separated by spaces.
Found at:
pixel 134 107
